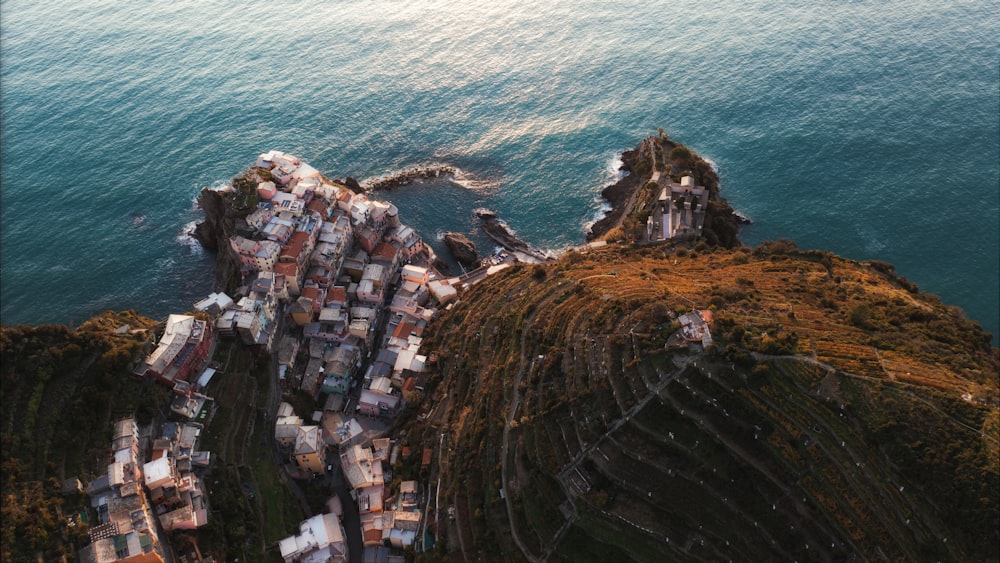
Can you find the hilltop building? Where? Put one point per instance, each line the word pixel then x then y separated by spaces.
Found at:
pixel 679 211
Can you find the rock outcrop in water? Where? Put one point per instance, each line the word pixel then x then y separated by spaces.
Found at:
pixel 463 249
pixel 505 237
pixel 649 168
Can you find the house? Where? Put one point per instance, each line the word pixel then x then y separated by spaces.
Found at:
pixel 268 284
pixel 355 265
pixel 320 540
pixel 679 211
pixel 694 327
pixel 443 291
pixel 416 274
pixel 361 468
pixel 278 230
pixel 366 237
pixel 266 190
pixel 297 249
pixel 386 255
pixel 181 350
pixel 320 276
pixel 338 369
pixel 214 304
pixel 404 528
pixel 373 284
pixel 336 296
pixel 309 451
pixel 286 425
pixel 407 241
pixel 293 277
pixel 320 206
pixel 255 255
pixel 316 294
pixel 288 350
pixel 71 486
pixel 378 403
pixel 302 311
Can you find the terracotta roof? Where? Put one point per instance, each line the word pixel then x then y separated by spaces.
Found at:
pixel 427 456
pixel 404 329
pixel 287 268
pixel 373 535
pixel 295 244
pixel 319 206
pixel 337 293
pixel 385 250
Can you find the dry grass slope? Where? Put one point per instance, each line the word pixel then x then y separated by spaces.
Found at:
pixel 802 434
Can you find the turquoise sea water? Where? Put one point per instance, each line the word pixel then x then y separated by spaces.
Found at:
pixel 867 128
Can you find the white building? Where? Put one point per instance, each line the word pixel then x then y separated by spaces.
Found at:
pixel 320 540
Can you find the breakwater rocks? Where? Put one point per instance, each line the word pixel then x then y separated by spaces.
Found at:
pixel 407 177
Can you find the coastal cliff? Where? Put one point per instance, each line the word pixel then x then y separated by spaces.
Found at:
pixel 214 232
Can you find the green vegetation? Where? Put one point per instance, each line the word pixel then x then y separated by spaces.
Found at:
pixel 62 389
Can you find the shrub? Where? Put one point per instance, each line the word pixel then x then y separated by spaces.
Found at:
pixel 859 315
pixel 539 273
pixel 682 154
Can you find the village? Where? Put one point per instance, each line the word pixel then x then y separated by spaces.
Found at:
pixel 337 292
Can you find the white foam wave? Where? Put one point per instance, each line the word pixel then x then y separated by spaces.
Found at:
pixel 613 168
pixel 475 183
pixel 186 238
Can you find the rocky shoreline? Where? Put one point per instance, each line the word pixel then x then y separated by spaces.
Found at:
pixel 618 194
pixel 498 230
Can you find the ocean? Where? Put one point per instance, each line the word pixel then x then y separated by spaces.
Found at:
pixel 871 129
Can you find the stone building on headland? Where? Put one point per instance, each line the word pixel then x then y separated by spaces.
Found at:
pixel 679 211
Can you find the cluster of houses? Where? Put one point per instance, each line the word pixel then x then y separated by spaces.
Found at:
pixel 387 521
pixel 133 496
pixel 341 267
pixel 347 275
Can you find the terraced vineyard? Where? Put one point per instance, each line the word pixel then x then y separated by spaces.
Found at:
pixel 827 422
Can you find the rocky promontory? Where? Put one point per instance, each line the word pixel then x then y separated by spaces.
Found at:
pixel 650 167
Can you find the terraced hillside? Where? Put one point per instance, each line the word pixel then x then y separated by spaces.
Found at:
pixel 839 415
